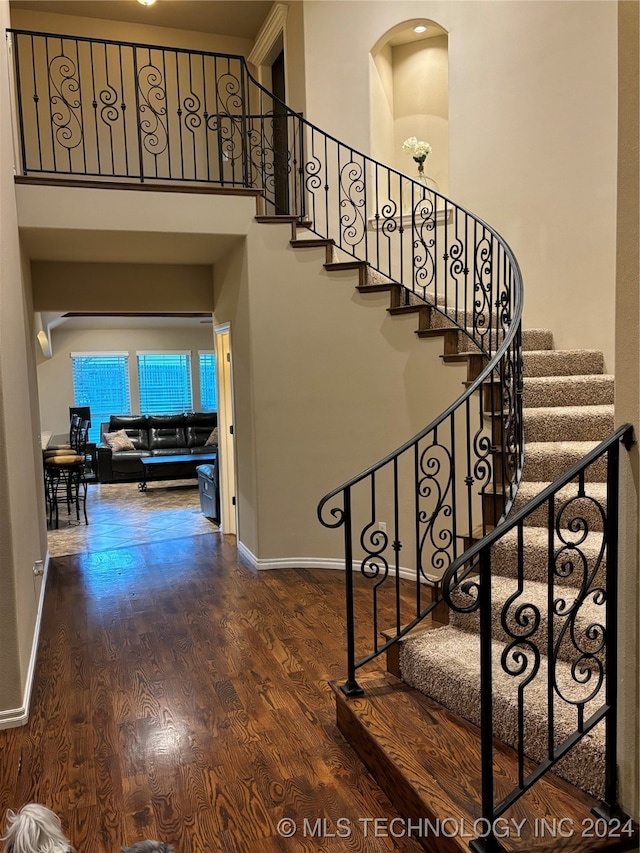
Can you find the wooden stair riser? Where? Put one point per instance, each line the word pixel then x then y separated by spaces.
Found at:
pixel 493 504
pixel 491 396
pixel 449 336
pixel 394 290
pixel 359 266
pixel 475 366
pixel 390 777
pixel 423 312
pixel 438 617
pixel 503 470
pixel 427 761
pixel 294 221
pixel 315 243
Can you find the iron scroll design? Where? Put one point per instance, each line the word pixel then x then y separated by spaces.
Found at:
pixel 130 111
pixel 148 113
pixel 64 100
pixel 564 642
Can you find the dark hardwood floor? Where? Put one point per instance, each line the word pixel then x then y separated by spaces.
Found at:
pixel 180 695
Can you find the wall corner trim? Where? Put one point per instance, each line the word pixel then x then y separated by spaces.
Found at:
pixel 14 717
pixel 269 32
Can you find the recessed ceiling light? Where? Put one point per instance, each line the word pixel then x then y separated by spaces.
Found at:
pixel 419 29
pixel 146 2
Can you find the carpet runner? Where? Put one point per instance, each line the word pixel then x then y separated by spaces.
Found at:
pixel 568 410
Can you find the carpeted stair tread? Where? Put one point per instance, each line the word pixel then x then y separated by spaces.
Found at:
pixel 568 423
pixel 562 362
pixel 444 664
pixel 587 507
pixel 504 555
pixel 548 460
pixel 589 390
pixel 537 339
pixel 520 616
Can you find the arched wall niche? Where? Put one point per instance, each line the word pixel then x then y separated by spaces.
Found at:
pixel 409 75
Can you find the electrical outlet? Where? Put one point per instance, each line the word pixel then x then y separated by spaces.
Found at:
pixel 38 568
pixel 382 526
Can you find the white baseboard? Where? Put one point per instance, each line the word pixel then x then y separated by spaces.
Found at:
pixel 14 717
pixel 310 563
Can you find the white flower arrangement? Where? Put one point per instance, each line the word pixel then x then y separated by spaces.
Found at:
pixel 417 148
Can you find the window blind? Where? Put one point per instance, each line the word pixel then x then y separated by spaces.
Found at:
pixel 101 381
pixel 165 383
pixel 208 390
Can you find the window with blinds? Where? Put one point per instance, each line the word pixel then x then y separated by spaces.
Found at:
pixel 164 380
pixel 101 381
pixel 207 372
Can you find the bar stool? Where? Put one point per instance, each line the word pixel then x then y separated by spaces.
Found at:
pixel 64 469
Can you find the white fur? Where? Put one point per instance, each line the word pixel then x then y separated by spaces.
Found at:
pixel 35 829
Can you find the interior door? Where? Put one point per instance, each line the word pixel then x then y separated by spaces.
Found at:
pixel 226 445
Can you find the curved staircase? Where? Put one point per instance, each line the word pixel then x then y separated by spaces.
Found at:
pixel 405 737
pixel 524 561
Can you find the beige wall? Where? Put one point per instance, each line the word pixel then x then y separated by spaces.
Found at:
pixel 382 105
pixel 71 286
pixel 421 105
pixel 55 385
pixel 628 395
pixel 532 134
pixel 232 306
pixel 326 383
pixel 22 533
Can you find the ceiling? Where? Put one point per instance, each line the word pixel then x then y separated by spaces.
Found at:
pixel 241 18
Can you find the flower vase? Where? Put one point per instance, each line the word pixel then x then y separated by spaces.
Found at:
pixel 413 195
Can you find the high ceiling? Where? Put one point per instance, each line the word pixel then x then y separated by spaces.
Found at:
pixel 242 18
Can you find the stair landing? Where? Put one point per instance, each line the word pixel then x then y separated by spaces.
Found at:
pixel 427 761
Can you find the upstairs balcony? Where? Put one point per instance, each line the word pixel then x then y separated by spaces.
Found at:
pixel 99 110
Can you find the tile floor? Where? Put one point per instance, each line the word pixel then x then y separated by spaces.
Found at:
pixel 120 515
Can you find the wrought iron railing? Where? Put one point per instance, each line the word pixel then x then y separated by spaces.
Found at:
pixel 576 626
pixel 93 108
pixel 103 109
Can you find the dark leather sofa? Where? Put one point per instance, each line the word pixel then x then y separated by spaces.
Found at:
pixel 154 435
